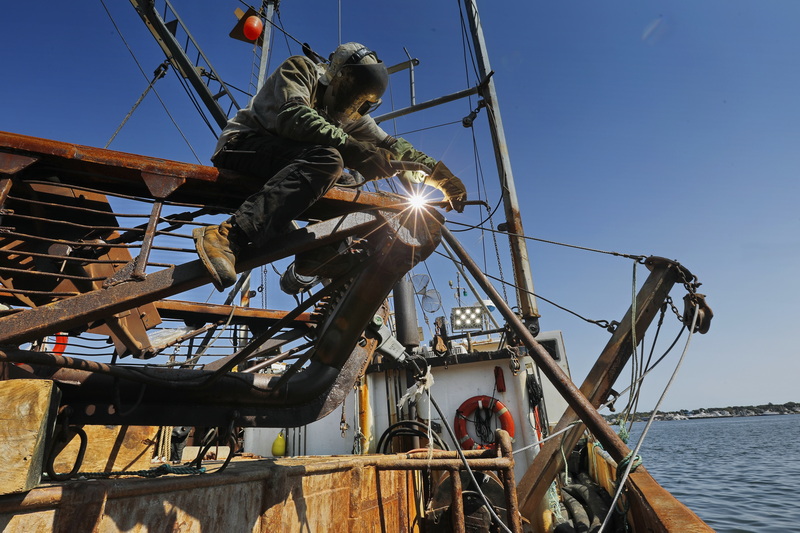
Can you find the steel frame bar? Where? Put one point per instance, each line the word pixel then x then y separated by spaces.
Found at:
pixel 66 315
pixel 147 242
pixel 275 342
pixel 211 312
pixel 500 460
pixel 87 227
pixel 457 498
pixel 79 165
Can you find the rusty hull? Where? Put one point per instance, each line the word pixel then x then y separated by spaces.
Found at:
pixel 315 494
pixel 331 494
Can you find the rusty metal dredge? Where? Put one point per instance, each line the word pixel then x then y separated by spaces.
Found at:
pixel 66 265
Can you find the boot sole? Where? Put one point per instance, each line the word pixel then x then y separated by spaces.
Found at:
pixel 199 236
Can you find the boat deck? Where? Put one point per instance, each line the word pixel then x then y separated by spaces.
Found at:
pixel 310 494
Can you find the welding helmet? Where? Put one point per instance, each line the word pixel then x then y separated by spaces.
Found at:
pixel 355 79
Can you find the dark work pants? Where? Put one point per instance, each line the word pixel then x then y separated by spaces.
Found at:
pixel 295 176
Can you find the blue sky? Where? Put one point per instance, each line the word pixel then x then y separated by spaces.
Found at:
pixel 663 128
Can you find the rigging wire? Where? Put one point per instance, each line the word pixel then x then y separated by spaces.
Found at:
pixel 542 441
pixel 663 356
pixel 425 128
pixel 636 365
pixel 234 87
pixel 646 366
pixel 285 38
pixel 193 98
pixel 157 75
pixel 464 39
pixel 649 369
pixel 605 324
pixel 638 258
pixel 467 48
pixel 489 218
pixel 119 32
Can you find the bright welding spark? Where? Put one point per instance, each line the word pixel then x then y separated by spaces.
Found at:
pixel 417 201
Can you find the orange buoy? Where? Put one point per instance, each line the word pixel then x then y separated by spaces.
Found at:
pixel 481 402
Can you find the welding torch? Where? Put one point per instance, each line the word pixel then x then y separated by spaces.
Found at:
pixel 403 166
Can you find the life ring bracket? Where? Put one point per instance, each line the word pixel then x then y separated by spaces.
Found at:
pixel 467 408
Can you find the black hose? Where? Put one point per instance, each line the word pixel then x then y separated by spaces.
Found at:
pixel 405 428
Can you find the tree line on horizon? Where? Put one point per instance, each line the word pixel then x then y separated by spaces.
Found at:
pixel 737 410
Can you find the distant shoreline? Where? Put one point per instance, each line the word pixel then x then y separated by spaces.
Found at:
pixel 704 417
pixel 790 408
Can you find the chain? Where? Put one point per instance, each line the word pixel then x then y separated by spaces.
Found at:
pixel 675 310
pixel 497 254
pixel 343 425
pixel 263 287
pixel 691 284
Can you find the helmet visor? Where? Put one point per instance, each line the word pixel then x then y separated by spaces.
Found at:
pixel 356 91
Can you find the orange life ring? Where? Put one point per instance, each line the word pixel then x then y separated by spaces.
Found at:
pixel 481 402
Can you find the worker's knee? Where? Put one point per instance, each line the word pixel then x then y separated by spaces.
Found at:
pixel 325 160
pixel 323 165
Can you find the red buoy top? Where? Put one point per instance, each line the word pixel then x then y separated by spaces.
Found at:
pixel 252 27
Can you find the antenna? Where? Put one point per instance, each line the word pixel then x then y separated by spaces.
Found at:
pixel 431 299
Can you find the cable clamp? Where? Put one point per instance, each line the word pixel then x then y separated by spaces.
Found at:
pixel 389 345
pixel 423 384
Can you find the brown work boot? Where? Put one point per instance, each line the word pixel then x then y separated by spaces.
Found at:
pixel 217 248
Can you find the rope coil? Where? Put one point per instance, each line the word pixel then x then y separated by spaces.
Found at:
pixel 635 462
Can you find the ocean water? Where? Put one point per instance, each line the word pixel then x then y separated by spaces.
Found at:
pixel 740 475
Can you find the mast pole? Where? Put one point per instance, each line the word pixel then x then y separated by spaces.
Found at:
pixel 519 250
pixel 266 38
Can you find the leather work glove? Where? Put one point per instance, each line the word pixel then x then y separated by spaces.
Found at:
pixel 405 151
pixel 372 162
pixel 454 191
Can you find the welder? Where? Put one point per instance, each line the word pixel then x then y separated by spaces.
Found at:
pixel 307 123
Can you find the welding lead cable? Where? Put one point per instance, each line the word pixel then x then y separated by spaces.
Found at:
pixel 477 485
